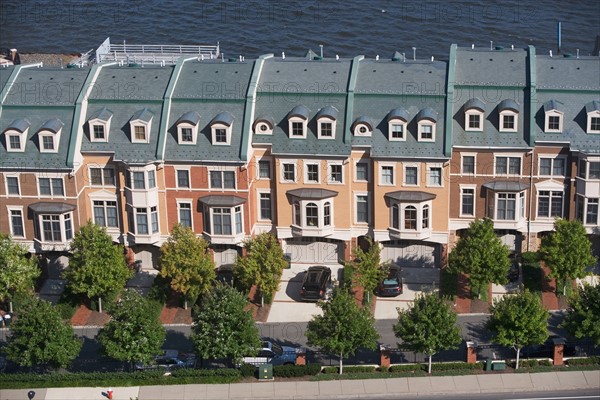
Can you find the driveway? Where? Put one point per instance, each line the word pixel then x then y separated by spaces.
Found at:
pixel 287 305
pixel 416 280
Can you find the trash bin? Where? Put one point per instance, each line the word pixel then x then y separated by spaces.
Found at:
pixel 7 319
pixel 265 372
pixel 488 364
pixel 499 366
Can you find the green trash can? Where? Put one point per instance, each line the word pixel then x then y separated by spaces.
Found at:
pixel 488 364
pixel 265 372
pixel 499 366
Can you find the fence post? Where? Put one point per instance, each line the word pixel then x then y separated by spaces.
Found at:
pixel 557 354
pixel 384 359
pixel 471 353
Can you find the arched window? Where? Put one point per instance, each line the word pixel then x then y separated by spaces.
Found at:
pixel 327 214
pixel 396 216
pixel 410 218
pixel 425 217
pixel 312 215
pixel 297 218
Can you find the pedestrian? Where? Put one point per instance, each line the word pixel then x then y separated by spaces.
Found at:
pixel 7 318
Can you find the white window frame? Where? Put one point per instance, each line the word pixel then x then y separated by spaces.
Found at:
pixel 402 206
pixel 590 115
pixel 520 206
pixel 104 124
pixel 508 113
pixel 326 120
pixel 213 129
pixel 51 176
pixel 232 213
pixel 304 127
pixel 186 125
pixel 63 230
pixel 268 160
pixel 411 165
pixel 189 202
pixel 426 122
pixel 303 203
pixel 474 189
pixel 258 128
pixel 49 134
pixel 397 121
pixel 16 175
pixel 104 199
pixel 22 139
pixel 189 177
pixel 435 165
pixel 552 157
pixel 473 112
pixel 101 168
pixel 282 165
pixel 146 171
pixel 553 113
pixel 365 162
pixel 508 156
pixel 139 123
pixel 10 209
pixel 312 163
pixel 259 193
pixel 362 194
pixel 359 127
pixel 222 170
pixel 330 164
pixel 462 157
pixel 394 173
pixel 550 197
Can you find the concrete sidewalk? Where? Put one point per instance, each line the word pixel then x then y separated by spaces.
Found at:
pixel 346 389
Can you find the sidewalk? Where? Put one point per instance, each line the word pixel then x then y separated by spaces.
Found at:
pixel 346 389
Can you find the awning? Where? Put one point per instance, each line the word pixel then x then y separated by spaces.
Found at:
pixel 505 186
pixel 51 208
pixel 222 201
pixel 409 196
pixel 312 194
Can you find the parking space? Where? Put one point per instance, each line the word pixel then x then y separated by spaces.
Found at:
pixel 416 280
pixel 287 305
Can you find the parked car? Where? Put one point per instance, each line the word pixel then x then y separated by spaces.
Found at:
pixel 169 360
pixel 224 274
pixel 392 284
pixel 272 353
pixel 316 284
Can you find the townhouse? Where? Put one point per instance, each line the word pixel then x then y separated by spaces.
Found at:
pixel 320 152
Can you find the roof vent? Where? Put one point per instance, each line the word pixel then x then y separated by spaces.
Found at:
pixel 377 57
pixel 414 53
pixel 283 55
pixel 512 46
pixel 472 46
pixel 491 45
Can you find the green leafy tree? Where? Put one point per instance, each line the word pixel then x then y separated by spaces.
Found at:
pixel 567 251
pixel 481 255
pixel 40 337
pixel 97 266
pixel 223 328
pixel 367 267
pixel 343 328
pixel 18 271
pixel 185 260
pixel 583 315
pixel 263 264
pixel 518 320
pixel 428 326
pixel 134 333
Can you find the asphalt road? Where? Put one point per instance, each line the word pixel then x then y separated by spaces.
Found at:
pixel 581 394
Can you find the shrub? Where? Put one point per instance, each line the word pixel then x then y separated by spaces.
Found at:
pixel 406 368
pixel 355 369
pixel 287 371
pixel 583 361
pixel 545 363
pixel 526 363
pixel 530 257
pixel 330 370
pixel 247 370
pixel 452 366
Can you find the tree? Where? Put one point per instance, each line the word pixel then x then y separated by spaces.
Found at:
pixel 186 262
pixel 583 315
pixel 567 251
pixel 481 255
pixel 367 267
pixel 343 328
pixel 18 271
pixel 223 328
pixel 97 266
pixel 40 337
pixel 518 320
pixel 263 264
pixel 134 333
pixel 428 326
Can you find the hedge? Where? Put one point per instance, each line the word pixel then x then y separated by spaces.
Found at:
pixel 247 370
pixel 287 371
pixel 584 361
pixel 354 369
pixel 406 368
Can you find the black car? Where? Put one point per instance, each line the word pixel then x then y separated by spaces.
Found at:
pixel 392 284
pixel 317 281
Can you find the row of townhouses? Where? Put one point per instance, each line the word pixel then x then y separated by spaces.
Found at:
pixel 321 152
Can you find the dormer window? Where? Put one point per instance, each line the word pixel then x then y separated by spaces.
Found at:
pixel 553 121
pixel 264 126
pixel 298 122
pixel 99 125
pixel 362 127
pixel 397 121
pixel 220 128
pixel 508 111
pixel 426 123
pixel 16 135
pixel 187 128
pixel 593 116
pixel 140 125
pixel 326 121
pixel 474 110
pixel 49 135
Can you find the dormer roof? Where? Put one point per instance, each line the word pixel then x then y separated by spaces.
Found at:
pixel 19 125
pixel 53 125
pixel 299 111
pixel 224 118
pixel 191 117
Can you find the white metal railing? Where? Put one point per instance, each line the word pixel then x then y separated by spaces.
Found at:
pixel 153 53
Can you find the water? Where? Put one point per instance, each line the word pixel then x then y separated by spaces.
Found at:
pixel 347 28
